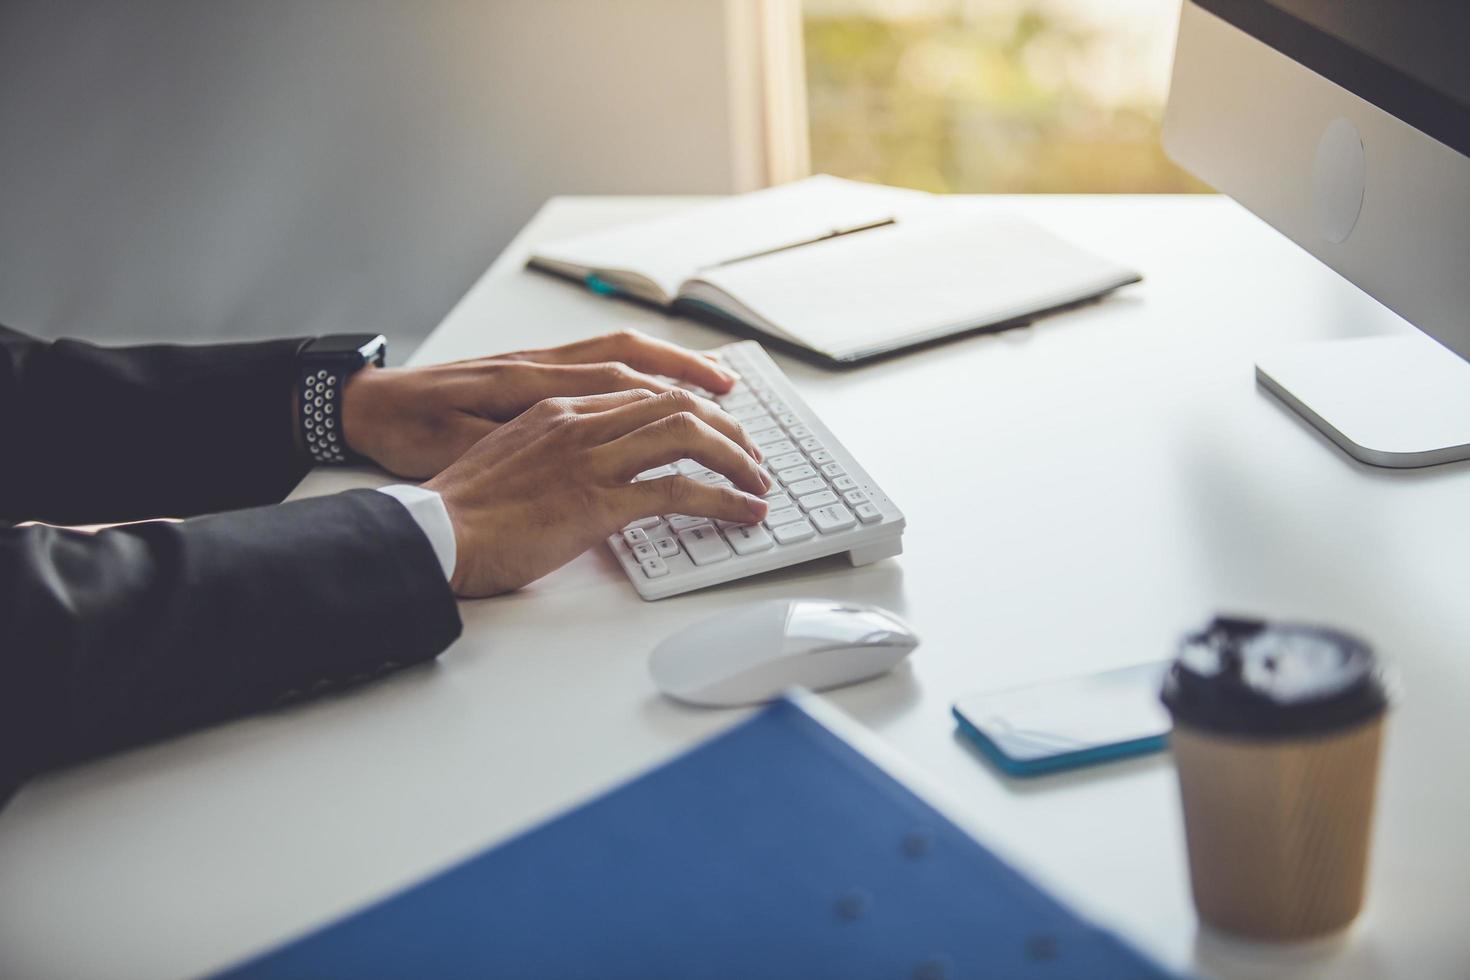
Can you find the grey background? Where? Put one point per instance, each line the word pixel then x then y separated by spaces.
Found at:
pixel 175 170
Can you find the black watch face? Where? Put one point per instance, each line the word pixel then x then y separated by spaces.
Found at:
pixel 343 343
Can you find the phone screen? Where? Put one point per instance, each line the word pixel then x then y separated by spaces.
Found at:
pixel 1070 721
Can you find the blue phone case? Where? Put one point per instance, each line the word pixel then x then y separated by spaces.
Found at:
pixel 1062 760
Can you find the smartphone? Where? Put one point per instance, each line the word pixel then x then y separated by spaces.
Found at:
pixel 1074 721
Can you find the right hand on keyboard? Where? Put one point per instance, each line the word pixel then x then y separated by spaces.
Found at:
pixel 545 487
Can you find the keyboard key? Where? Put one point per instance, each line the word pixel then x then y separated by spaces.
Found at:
pixel 644 550
pixel 635 536
pixel 687 466
pixel 765 437
pixel 803 487
pixel 704 545
pixel 747 539
pixel 856 497
pixel 869 513
pixel 758 422
pixel 832 469
pixel 821 456
pixel 666 547
pixel 682 522
pixel 788 419
pixel 796 474
pixel 786 515
pixel 791 533
pixel 800 432
pixel 843 483
pixel 833 517
pixel 776 406
pixel 812 501
pixel 654 567
pixel 778 501
pixel 655 473
pixel 777 448
pixel 711 479
pixel 645 522
pixel 753 410
pixel 811 443
pixel 737 400
pixel 785 460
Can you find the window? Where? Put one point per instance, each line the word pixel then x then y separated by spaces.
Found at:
pixel 992 95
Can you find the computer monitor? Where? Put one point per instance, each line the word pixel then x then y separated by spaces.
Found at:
pixel 1346 125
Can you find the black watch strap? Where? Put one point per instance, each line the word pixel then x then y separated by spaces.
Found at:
pixel 324 367
pixel 320 390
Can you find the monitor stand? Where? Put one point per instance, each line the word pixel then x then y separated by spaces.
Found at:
pixel 1399 401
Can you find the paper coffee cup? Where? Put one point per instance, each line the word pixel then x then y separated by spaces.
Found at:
pixel 1276 737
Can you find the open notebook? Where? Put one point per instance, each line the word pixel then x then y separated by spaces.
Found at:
pixel 844 269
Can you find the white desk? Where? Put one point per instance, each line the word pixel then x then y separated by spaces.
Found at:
pixel 1077 494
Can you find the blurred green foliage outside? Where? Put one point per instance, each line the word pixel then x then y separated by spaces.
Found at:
pixel 1019 96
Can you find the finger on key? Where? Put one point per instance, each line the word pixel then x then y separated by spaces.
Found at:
pixel 648 354
pixel 532 382
pixel 679 436
pixel 661 357
pixel 606 402
pixel 681 495
pixel 605 376
pixel 635 415
pixel 515 438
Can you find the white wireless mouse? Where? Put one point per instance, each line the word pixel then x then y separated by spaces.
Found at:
pixel 753 653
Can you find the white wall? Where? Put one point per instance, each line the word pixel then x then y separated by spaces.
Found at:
pixel 177 169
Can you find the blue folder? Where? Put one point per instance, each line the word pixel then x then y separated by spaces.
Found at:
pixel 774 850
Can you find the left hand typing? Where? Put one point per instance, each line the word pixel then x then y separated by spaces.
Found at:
pixel 416 421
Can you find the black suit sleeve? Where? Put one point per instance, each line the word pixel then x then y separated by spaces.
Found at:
pixel 92 435
pixel 141 631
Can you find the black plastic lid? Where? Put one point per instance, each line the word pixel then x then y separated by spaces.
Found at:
pixel 1249 677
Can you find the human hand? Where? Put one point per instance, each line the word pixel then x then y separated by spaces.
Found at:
pixel 416 421
pixel 540 490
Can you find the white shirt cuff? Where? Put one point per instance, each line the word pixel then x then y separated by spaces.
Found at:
pixel 428 511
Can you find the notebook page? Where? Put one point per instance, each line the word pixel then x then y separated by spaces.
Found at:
pixel 916 280
pixel 670 249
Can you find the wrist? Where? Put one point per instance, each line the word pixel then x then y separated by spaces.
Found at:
pixel 462 554
pixel 361 410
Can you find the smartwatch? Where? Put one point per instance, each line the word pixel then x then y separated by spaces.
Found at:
pixel 323 367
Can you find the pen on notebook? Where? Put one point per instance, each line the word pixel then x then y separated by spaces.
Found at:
pixel 834 233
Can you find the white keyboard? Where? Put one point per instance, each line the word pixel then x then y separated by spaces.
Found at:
pixel 821 502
